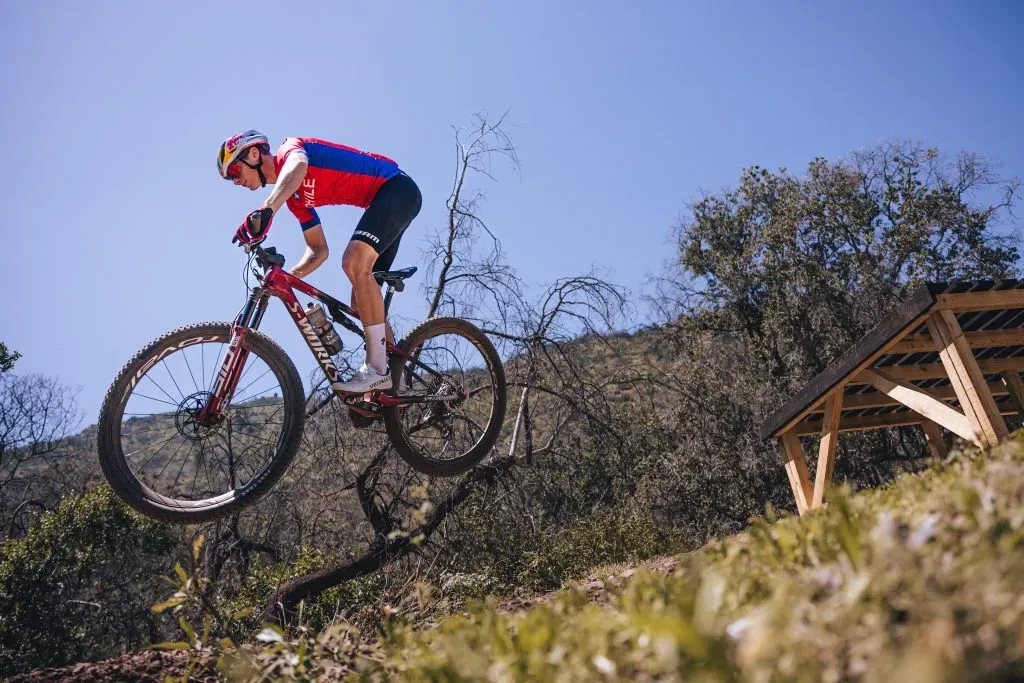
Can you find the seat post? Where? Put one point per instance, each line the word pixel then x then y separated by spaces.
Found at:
pixel 388 293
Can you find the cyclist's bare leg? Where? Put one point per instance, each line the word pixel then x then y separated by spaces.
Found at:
pixel 353 304
pixel 369 302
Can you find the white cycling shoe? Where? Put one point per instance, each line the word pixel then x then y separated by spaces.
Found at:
pixel 366 379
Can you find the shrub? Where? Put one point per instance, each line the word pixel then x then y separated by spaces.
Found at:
pixel 79 585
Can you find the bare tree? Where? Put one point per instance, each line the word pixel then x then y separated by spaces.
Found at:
pixel 469 278
pixel 467 275
pixel 37 415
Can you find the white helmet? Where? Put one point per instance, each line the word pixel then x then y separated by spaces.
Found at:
pixel 236 145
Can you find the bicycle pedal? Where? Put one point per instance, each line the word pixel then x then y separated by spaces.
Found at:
pixel 362 406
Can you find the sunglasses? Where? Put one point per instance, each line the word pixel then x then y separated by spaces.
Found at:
pixel 234 171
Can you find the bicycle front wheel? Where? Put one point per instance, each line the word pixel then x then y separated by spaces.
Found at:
pixel 164 457
pixel 453 384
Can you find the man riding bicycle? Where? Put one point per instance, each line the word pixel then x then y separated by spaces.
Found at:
pixel 306 173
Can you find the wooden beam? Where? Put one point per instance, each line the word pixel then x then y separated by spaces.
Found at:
pixel 1015 387
pixel 936 444
pixel 921 403
pixel 796 469
pixel 827 446
pixel 876 399
pixel 906 318
pixel 989 366
pixel 983 339
pixel 853 424
pixel 967 377
pixel 981 301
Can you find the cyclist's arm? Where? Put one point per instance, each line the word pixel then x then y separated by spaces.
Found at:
pixel 289 179
pixel 316 252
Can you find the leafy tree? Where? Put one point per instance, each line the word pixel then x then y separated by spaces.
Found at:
pixel 799 268
pixel 7 358
pixel 776 278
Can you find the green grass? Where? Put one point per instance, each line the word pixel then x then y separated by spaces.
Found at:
pixel 920 581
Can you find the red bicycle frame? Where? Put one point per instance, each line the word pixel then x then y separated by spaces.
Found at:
pixel 275 281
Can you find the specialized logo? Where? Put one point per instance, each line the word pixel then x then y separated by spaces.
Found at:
pixel 314 342
pixel 369 236
pixel 222 375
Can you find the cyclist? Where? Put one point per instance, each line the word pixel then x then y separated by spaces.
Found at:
pixel 306 173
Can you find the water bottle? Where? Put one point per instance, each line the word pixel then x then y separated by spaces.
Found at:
pixel 323 328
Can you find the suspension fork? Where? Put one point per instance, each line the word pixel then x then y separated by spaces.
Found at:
pixel 234 360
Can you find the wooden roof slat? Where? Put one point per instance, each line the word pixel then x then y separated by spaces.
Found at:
pixel 981 301
pixel 901 419
pixel 989 366
pixel 980 339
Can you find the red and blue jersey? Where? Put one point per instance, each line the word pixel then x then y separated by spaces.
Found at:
pixel 336 175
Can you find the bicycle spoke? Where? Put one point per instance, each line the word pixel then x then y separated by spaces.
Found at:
pixel 169 460
pixel 242 392
pixel 473 392
pixel 145 431
pixel 248 367
pixel 184 355
pixel 184 461
pixel 158 400
pixel 149 446
pixel 164 363
pixel 173 402
pixel 470 420
pixel 215 367
pixel 195 479
pixel 262 438
pixel 220 462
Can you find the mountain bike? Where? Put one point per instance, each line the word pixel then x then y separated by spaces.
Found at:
pixel 205 419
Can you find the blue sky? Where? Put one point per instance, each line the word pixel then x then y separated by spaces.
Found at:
pixel 116 227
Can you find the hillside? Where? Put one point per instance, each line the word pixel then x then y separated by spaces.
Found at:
pixel 919 581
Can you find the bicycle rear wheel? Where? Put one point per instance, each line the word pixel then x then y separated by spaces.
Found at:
pixel 165 459
pixel 455 383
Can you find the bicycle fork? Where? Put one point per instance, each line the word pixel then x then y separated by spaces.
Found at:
pixel 227 377
pixel 231 368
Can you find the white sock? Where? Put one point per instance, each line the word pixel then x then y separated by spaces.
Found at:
pixel 376 349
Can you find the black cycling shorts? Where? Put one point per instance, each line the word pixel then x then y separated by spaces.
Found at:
pixel 396 203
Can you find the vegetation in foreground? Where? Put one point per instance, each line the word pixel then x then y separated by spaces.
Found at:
pixel 918 581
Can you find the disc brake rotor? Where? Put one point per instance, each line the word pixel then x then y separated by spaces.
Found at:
pixel 190 421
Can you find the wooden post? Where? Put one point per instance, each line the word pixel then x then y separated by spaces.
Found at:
pixel 1015 387
pixel 796 469
pixel 966 377
pixel 827 447
pixel 936 444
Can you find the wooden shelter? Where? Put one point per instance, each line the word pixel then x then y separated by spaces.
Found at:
pixel 948 358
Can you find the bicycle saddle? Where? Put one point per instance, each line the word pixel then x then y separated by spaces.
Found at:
pixel 395 277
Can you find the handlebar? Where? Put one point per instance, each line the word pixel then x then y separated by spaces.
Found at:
pixel 268 257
